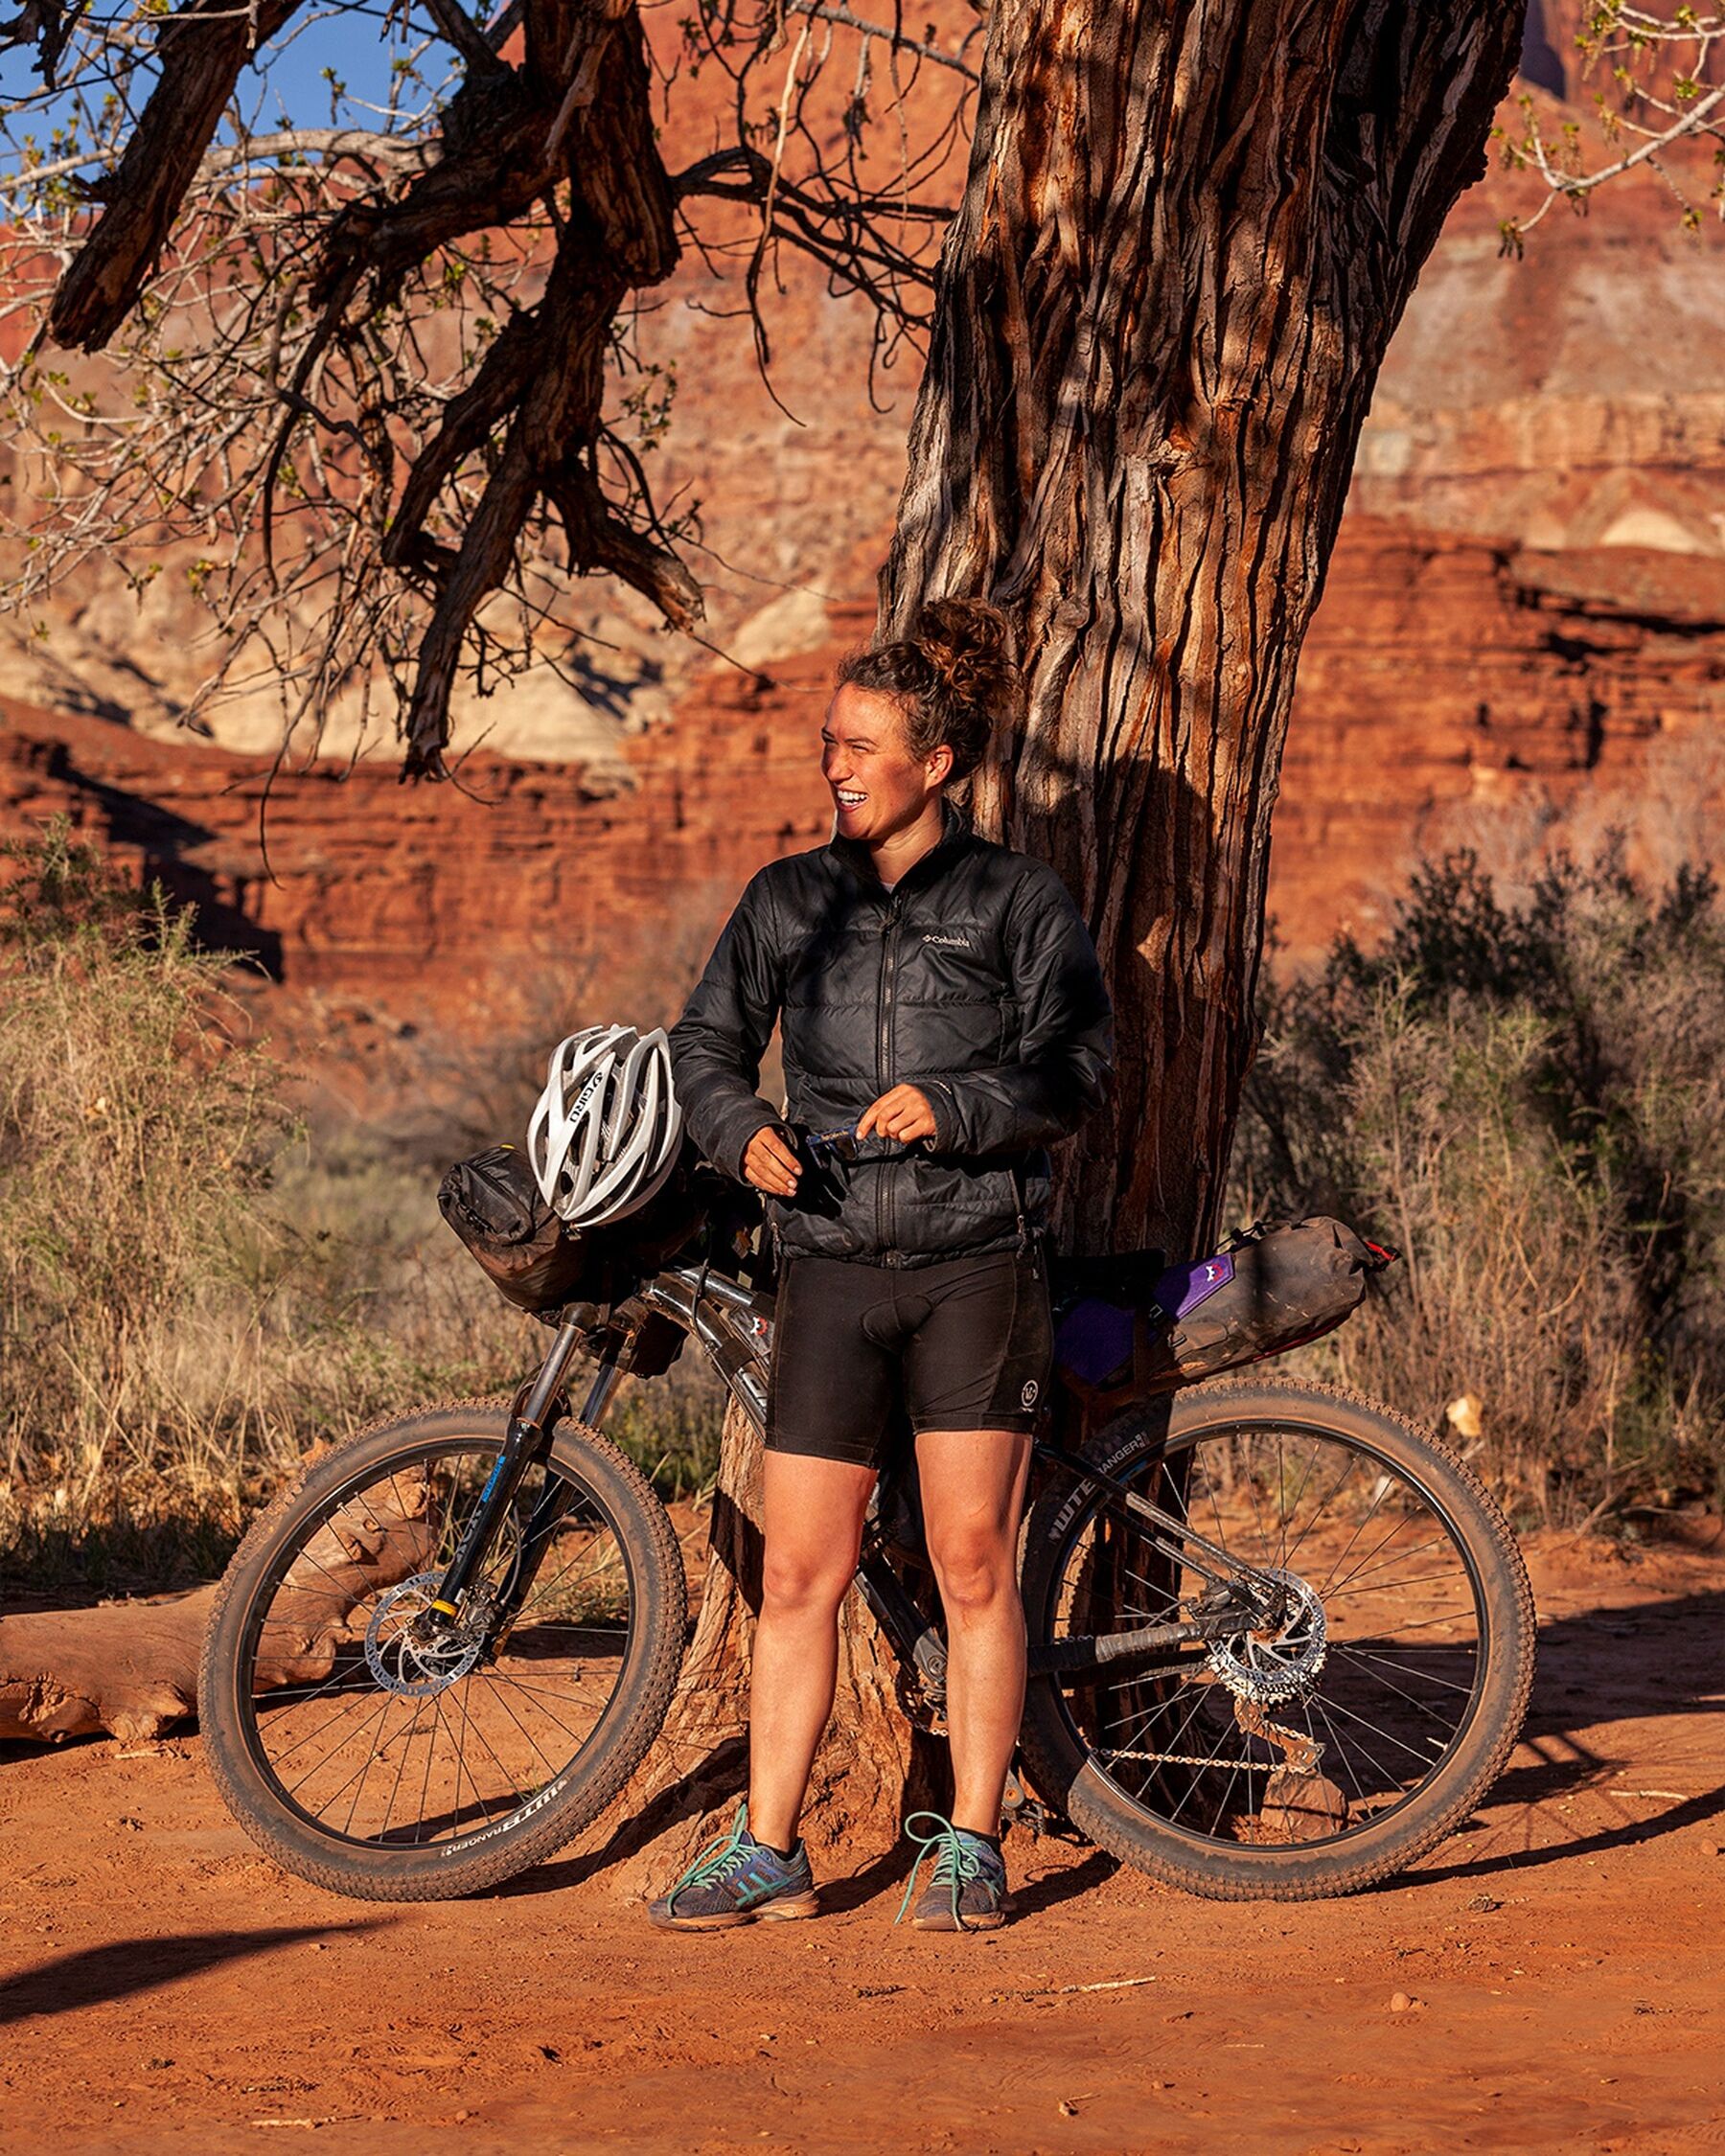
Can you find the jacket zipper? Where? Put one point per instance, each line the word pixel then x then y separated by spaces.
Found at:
pixel 883 1062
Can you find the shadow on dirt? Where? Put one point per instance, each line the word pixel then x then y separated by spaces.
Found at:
pixel 1598 1668
pixel 101 1973
pixel 720 1776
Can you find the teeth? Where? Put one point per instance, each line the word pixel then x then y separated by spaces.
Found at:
pixel 850 799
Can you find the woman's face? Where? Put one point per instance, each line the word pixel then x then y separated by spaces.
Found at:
pixel 877 786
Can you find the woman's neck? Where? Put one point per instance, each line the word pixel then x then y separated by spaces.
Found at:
pixel 901 850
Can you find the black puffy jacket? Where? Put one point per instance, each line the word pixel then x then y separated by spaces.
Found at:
pixel 973 979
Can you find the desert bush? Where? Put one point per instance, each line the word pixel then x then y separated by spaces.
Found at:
pixel 1527 1095
pixel 193 1287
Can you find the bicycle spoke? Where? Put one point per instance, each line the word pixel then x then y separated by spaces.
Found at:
pixel 1365 1654
pixel 1389 1586
pixel 1337 1524
pixel 405 1740
pixel 1366 1567
pixel 473 1738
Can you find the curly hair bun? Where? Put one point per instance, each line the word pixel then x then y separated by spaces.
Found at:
pixel 968 646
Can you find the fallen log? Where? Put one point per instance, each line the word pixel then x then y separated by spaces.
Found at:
pixel 131 1667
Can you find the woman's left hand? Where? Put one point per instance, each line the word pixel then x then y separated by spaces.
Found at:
pixel 901 1114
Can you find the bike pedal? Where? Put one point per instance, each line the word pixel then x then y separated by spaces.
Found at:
pixel 1019 1808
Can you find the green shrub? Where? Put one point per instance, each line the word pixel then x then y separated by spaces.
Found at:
pixel 1526 1096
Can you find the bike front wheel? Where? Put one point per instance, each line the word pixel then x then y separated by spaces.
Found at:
pixel 379 1766
pixel 1307 1759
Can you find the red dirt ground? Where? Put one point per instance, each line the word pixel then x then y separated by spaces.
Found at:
pixel 1557 1966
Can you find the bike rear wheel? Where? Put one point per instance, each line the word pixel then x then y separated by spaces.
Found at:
pixel 381 1768
pixel 1324 1757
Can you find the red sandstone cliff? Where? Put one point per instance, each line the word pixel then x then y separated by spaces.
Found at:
pixel 1522 639
pixel 1452 691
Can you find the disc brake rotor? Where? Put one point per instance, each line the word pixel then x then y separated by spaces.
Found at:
pixel 414 1667
pixel 1264 1667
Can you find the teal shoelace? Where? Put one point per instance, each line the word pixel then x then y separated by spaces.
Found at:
pixel 954 1867
pixel 721 1857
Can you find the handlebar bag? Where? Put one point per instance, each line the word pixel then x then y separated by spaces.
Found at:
pixel 494 1206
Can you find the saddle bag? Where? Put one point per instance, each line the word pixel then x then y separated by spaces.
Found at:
pixel 494 1206
pixel 1270 1288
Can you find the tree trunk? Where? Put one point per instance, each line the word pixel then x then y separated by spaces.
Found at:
pixel 1187 236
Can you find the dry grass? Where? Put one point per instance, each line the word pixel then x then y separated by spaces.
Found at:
pixel 193 1289
pixel 1527 1094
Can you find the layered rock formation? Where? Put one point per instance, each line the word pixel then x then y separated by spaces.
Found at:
pixel 1455 691
pixel 1522 641
pixel 1452 692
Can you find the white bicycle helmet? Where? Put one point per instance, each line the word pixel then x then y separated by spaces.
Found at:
pixel 606 1131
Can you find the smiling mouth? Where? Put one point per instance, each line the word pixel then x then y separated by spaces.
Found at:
pixel 849 800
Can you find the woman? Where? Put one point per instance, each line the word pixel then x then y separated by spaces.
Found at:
pixel 943 1010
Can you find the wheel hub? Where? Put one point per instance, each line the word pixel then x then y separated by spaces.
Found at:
pixel 403 1656
pixel 1268 1666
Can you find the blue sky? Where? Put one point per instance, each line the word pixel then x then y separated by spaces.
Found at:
pixel 350 39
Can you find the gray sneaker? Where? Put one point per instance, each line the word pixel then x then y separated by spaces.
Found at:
pixel 734 1880
pixel 968 1890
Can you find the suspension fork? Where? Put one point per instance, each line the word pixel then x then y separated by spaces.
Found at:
pixel 527 1443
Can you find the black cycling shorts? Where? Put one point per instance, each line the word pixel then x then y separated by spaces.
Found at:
pixel 861 1350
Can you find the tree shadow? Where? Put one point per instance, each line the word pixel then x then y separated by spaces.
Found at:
pixel 722 1772
pixel 1595 1669
pixel 124 1967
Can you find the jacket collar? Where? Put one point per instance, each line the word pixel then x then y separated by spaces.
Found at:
pixel 956 830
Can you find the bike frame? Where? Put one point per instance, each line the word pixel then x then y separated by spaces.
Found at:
pixel 733 1325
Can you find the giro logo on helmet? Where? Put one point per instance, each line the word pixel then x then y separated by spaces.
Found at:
pixel 606 1129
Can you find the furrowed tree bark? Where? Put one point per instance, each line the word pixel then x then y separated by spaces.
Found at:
pixel 592 119
pixel 202 52
pixel 1187 237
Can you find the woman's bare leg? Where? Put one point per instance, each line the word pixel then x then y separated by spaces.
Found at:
pixel 972 1496
pixel 812 1515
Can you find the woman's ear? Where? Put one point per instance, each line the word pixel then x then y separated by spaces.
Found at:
pixel 938 764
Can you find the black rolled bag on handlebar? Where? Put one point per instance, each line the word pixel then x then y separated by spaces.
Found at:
pixel 1272 1287
pixel 494 1206
pixel 532 1256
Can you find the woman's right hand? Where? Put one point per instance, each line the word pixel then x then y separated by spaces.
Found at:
pixel 770 1163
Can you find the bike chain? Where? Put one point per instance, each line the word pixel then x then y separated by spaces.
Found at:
pixel 1303 1753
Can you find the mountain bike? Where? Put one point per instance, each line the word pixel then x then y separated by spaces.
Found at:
pixel 1281 1639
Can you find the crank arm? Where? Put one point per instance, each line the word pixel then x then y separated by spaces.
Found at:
pixel 918 1645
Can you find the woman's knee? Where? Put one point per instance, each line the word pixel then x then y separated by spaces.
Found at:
pixel 976 1573
pixel 802 1583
